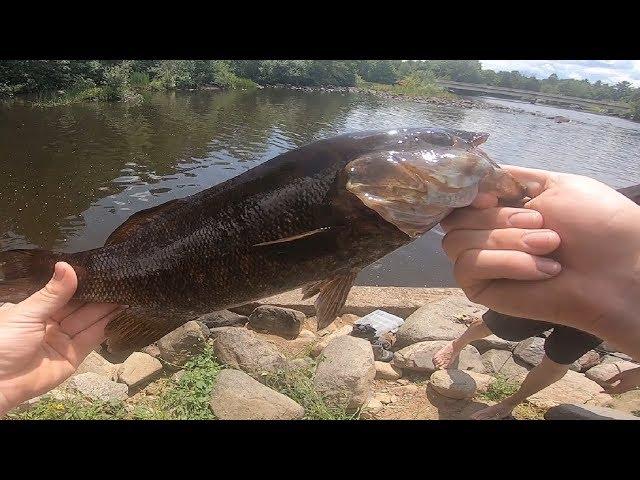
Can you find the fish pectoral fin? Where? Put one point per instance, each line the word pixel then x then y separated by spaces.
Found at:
pixel 136 328
pixel 332 295
pixel 293 237
pixel 138 220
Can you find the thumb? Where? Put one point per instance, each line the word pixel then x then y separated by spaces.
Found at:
pixel 54 295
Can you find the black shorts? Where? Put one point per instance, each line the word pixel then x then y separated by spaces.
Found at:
pixel 564 345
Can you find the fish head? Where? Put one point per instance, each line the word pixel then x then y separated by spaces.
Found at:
pixel 414 186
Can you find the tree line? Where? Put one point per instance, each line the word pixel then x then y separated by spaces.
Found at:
pixel 111 79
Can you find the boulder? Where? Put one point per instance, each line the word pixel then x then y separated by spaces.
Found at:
pixel 493 342
pixel 237 396
pixel 139 369
pixel 345 373
pixel 98 387
pixel 321 345
pixel 445 319
pixel 223 318
pixel 178 346
pixel 453 383
pixel 277 320
pixel 386 371
pixel 504 363
pixel 586 361
pixel 627 402
pixel 603 372
pixel 483 381
pixel 95 363
pixel 530 351
pixel 241 349
pixel 572 388
pixel 419 357
pixel 568 411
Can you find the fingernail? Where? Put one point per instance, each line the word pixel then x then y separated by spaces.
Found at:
pixel 548 266
pixel 525 219
pixel 58 272
pixel 539 239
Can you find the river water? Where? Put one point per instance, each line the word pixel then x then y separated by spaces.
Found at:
pixel 70 175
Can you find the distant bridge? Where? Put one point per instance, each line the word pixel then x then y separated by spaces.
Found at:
pixel 530 95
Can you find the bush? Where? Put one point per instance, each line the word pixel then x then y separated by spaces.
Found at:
pixel 116 84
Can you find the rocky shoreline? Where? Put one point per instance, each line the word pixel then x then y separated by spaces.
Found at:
pixel 279 336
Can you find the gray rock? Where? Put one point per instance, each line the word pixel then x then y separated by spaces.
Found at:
pixel 502 362
pixel 318 347
pixel 95 363
pixel 530 351
pixel 567 411
pixel 493 343
pixel 603 372
pixel 277 320
pixel 139 369
pixel 346 372
pixel 419 357
pixel 223 318
pixel 453 383
pixel 242 349
pixel 237 396
pixel 386 371
pixel 98 387
pixel 586 361
pixel 178 346
pixel 572 388
pixel 445 319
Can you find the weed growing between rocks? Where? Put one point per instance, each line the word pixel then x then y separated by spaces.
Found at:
pixel 73 408
pixel 500 389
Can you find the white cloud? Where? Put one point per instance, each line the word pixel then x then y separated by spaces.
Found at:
pixel 608 71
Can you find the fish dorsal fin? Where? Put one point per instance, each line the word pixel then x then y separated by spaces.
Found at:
pixel 138 220
pixel 136 328
pixel 332 296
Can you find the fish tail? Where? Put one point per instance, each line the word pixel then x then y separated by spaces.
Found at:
pixel 27 266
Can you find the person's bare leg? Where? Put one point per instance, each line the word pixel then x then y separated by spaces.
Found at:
pixel 545 374
pixel 444 357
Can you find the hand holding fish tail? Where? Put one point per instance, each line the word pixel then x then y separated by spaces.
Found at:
pixel 571 256
pixel 45 337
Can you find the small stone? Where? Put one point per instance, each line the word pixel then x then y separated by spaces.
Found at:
pixel 386 371
pixel 383 397
pixel 567 411
pixel 139 369
pixel 97 364
pixel 277 320
pixel 453 383
pixel 419 357
pixel 402 381
pixel 98 387
pixel 530 351
pixel 178 346
pixel 603 372
pixel 321 345
pixel 223 318
pixel 237 396
pixel 176 377
pixel 374 406
pixel 345 373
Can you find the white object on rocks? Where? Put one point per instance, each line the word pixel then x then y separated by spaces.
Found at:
pixel 381 321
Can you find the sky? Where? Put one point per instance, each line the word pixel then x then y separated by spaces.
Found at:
pixel 608 71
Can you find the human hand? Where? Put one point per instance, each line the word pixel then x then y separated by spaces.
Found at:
pixel 627 380
pixel 44 338
pixel 592 281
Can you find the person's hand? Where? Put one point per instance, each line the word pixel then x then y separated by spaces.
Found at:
pixel 44 338
pixel 624 381
pixel 592 281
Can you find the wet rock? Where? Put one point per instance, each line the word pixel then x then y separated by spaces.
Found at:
pixel 345 373
pixel 242 349
pixel 445 319
pixel 237 396
pixel 95 363
pixel 419 357
pixel 493 343
pixel 530 351
pixel 386 371
pixel 586 361
pixel 603 372
pixel 277 320
pixel 139 369
pixel 223 318
pixel 572 388
pixel 321 345
pixel 453 383
pixel 567 411
pixel 98 387
pixel 178 346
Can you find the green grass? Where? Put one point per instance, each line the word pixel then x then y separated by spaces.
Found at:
pixel 75 408
pixel 500 389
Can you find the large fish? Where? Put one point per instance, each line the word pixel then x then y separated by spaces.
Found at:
pixel 311 217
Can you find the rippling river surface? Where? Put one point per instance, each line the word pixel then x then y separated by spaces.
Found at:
pixel 70 175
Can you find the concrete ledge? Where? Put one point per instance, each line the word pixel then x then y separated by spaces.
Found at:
pixel 400 301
